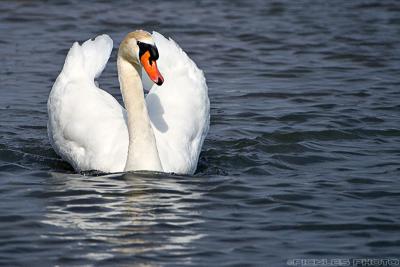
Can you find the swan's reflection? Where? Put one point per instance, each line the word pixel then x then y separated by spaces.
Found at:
pixel 129 213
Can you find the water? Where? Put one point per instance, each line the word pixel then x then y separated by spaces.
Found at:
pixel 302 158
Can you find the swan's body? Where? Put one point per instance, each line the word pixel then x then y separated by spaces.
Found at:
pixel 88 128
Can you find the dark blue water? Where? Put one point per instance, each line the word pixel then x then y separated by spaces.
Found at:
pixel 302 158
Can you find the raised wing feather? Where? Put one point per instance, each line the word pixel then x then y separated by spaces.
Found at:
pixel 86 125
pixel 179 109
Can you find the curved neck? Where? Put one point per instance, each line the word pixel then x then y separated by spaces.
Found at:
pixel 142 150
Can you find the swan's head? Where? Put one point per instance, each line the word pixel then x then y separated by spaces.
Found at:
pixel 139 48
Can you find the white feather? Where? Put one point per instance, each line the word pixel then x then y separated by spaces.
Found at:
pixel 87 126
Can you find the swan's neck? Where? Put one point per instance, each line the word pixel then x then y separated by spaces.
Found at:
pixel 142 151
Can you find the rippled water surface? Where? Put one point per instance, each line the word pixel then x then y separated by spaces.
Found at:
pixel 302 158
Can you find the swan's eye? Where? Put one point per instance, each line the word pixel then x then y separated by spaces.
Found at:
pixel 152 49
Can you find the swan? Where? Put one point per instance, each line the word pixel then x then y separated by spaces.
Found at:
pixel 162 132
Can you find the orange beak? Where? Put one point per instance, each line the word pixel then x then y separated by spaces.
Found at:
pixel 150 66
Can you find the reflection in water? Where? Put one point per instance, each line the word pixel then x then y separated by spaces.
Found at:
pixel 120 209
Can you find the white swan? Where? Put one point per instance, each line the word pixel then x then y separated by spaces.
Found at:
pixel 163 132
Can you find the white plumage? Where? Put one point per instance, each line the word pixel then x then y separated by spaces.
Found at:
pixel 87 127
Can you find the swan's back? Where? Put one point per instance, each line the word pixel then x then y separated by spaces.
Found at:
pixel 179 109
